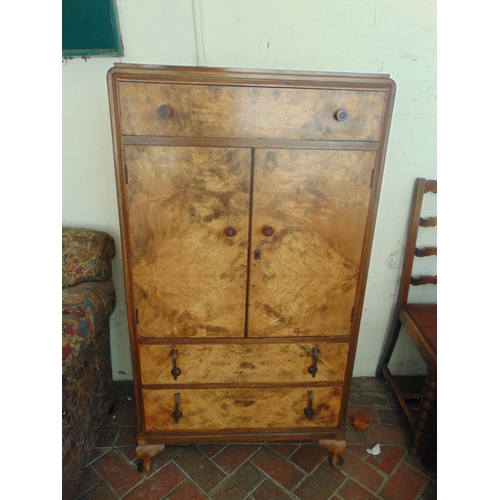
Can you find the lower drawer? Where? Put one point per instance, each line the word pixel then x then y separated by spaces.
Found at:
pixel 244 363
pixel 241 408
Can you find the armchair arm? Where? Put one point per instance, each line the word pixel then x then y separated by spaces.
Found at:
pixel 86 256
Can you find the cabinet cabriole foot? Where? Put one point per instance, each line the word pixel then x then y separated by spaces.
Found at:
pixel 146 452
pixel 335 447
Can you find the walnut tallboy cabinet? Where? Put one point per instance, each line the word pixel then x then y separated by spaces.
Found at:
pixel 247 204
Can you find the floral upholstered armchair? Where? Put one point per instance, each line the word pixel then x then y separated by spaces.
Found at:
pixel 88 299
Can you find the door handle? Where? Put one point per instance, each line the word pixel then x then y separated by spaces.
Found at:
pixel 256 254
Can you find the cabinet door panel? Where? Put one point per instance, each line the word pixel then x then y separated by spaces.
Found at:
pixel 306 278
pixel 189 277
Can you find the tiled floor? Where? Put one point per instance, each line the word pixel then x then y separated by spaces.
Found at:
pixel 264 471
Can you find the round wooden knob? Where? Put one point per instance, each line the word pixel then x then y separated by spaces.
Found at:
pixel 164 111
pixel 342 115
pixel 230 231
pixel 268 231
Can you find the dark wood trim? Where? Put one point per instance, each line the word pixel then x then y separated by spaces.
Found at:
pixel 367 245
pixel 246 385
pixel 249 340
pixel 196 75
pixel 216 142
pixel 255 435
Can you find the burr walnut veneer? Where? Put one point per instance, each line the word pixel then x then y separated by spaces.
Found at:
pixel 247 208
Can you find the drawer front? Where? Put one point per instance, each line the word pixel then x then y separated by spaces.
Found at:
pixel 213 409
pixel 176 110
pixel 243 363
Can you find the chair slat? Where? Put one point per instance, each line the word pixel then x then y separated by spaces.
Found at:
pixel 426 252
pixel 429 222
pixel 424 280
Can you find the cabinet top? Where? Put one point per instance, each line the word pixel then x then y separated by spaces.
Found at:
pixel 205 74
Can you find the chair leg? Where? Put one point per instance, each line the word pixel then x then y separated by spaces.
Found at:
pixel 389 346
pixel 421 424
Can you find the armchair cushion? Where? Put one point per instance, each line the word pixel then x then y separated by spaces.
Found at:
pixel 86 308
pixel 86 256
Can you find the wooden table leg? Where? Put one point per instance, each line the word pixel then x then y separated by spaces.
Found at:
pixel 146 452
pixel 335 447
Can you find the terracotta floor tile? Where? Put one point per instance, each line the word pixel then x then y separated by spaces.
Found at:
pixel 164 457
pixel 126 436
pixel 308 456
pixel 363 473
pixel 386 434
pixel 234 455
pixel 391 416
pixel 240 484
pixel 359 450
pixel 200 469
pixel 100 492
pixel 117 472
pixel 159 485
pixel 125 418
pixel 90 479
pixel 128 452
pixel 96 454
pixel 106 437
pixel 353 436
pixel 429 493
pixel 285 450
pixel 278 468
pixel 353 491
pixel 367 384
pixel 187 491
pixel 405 484
pixel 369 399
pixel 389 458
pixel 269 491
pixel 321 484
pixel 210 450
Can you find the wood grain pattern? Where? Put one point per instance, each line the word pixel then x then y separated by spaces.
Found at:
pixel 189 277
pixel 317 202
pixel 250 112
pixel 243 363
pixel 216 409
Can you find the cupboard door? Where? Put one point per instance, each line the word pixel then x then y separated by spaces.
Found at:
pixel 189 270
pixel 304 276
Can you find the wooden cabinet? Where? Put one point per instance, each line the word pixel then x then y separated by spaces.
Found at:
pixel 247 207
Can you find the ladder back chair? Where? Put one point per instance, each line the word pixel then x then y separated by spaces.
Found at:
pixel 420 322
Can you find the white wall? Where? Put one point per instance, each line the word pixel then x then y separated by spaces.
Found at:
pixel 385 36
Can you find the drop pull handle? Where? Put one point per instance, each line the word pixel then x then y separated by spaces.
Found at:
pixel 309 410
pixel 177 413
pixel 175 370
pixel 256 254
pixel 313 369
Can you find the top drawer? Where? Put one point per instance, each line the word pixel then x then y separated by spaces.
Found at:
pixel 181 110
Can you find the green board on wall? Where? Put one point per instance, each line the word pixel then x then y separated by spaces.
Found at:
pixel 90 28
